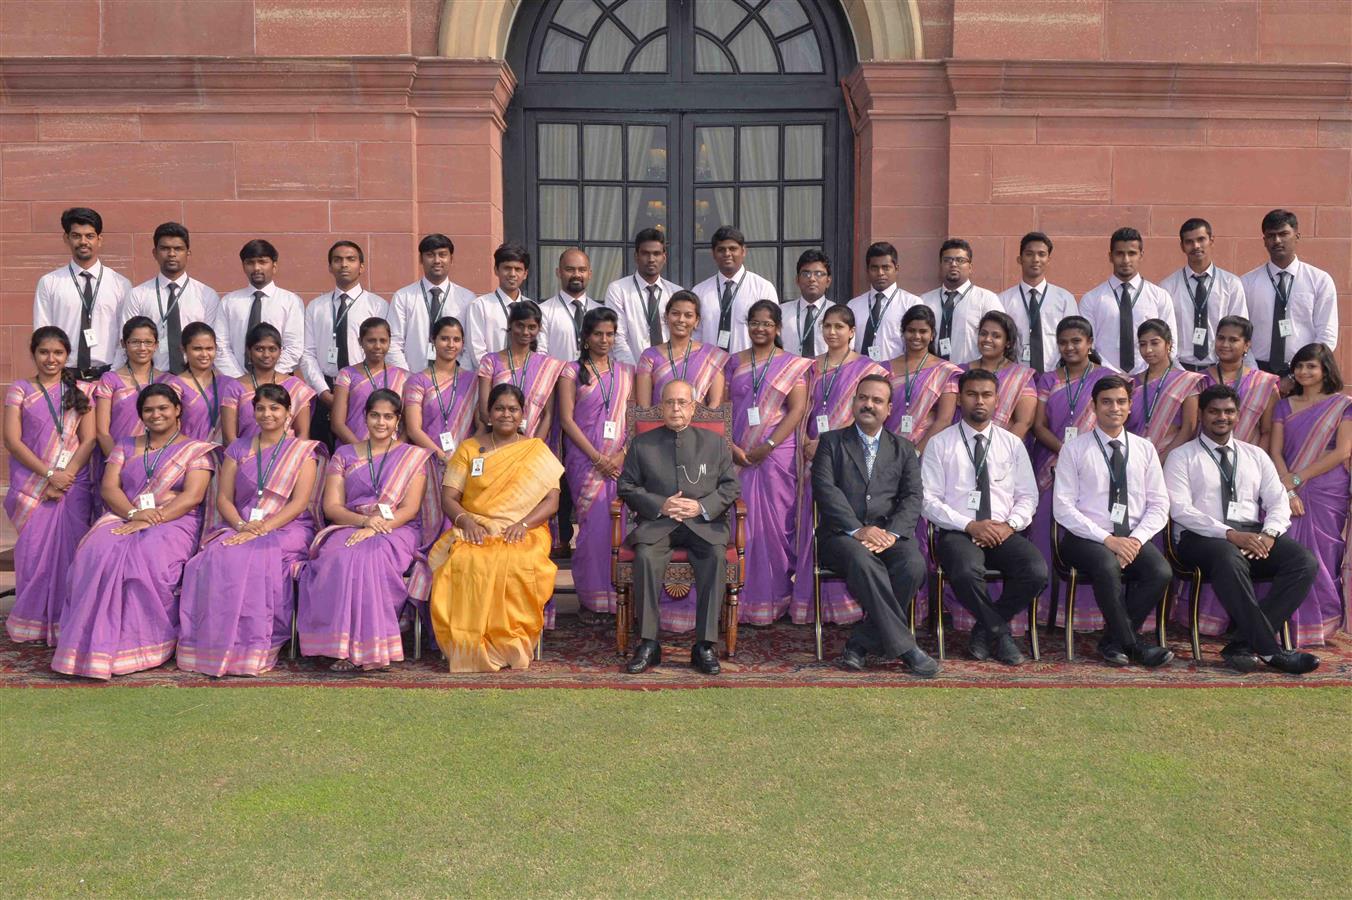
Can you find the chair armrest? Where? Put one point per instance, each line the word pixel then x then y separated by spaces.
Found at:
pixel 929 537
pixel 739 524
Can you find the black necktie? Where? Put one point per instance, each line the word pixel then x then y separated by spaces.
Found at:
pixel 175 328
pixel 255 311
pixel 946 322
pixel 1277 353
pixel 1227 483
pixel 1117 492
pixel 654 324
pixel 1199 297
pixel 86 320
pixel 1035 356
pixel 433 312
pixel 875 316
pixel 340 330
pixel 725 315
pixel 1126 331
pixel 807 344
pixel 577 322
pixel 983 479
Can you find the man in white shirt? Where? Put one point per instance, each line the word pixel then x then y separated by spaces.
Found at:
pixel 957 304
pixel 171 299
pixel 725 297
pixel 1291 303
pixel 641 298
pixel 332 330
pixel 1118 306
pixel 262 301
pixel 1203 294
pixel 1037 301
pixel 415 308
pixel 1109 498
pixel 1231 512
pixel 980 492
pixel 561 328
pixel 82 297
pixel 878 311
pixel 802 331
pixel 486 318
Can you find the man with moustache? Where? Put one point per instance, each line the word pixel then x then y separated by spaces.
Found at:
pixel 957 304
pixel 262 301
pixel 1203 294
pixel 561 330
pixel 879 309
pixel 1118 306
pixel 1036 305
pixel 802 332
pixel 725 296
pixel 1291 303
pixel 171 299
pixel 416 307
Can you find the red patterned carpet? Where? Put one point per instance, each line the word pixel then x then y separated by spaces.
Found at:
pixel 582 655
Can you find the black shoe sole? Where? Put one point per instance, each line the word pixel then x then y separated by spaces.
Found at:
pixel 1242 663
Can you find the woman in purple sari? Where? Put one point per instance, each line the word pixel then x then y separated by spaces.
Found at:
pixel 1311 446
pixel 115 417
pixel 1164 405
pixel 355 384
pixel 830 405
pixel 121 608
pixel 768 389
pixel 594 393
pixel 1258 390
pixel 681 357
pixel 262 348
pixel 353 588
pixel 202 389
pixel 924 386
pixel 1016 399
pixel 439 405
pixel 239 592
pixel 534 373
pixel 49 435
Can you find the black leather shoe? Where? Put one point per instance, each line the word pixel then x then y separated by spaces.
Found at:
pixel 1293 662
pixel 981 643
pixel 851 660
pixel 646 655
pixel 1240 657
pixel 1148 656
pixel 704 658
pixel 1008 652
pixel 1113 656
pixel 920 663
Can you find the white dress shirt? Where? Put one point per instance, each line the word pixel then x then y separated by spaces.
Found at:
pixel 58 301
pixel 196 303
pixel 1225 297
pixel 794 316
pixel 409 322
pixel 314 363
pixel 1148 301
pixel 973 303
pixel 1055 304
pixel 281 309
pixel 628 296
pixel 752 288
pixel 887 340
pixel 1080 495
pixel 558 330
pixel 1193 477
pixel 486 322
pixel 1312 307
pixel 949 477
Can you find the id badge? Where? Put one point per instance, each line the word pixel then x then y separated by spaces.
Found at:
pixel 91 339
pixel 447 441
pixel 907 424
pixel 476 468
pixel 973 499
pixel 145 501
pixel 386 511
pixel 332 358
pixel 945 346
pixel 431 351
pixel 1071 433
pixel 256 515
pixel 610 430
pixel 1199 335
pixel 724 339
pixel 1119 513
pixel 753 416
pixel 875 353
pixel 1232 512
pixel 63 458
pixel 823 423
pixel 1026 354
pixel 1286 327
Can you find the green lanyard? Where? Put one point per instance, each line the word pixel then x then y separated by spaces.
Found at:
pixel 371 378
pixel 1079 388
pixel 436 391
pixel 601 385
pixel 55 409
pixel 371 465
pixel 685 363
pixel 213 410
pixel 765 370
pixel 272 461
pixel 1145 389
pixel 525 369
pixel 906 374
pixel 829 380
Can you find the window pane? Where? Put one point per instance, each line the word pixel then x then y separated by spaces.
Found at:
pixel 560 53
pixel 760 153
pixel 713 154
pixel 557 151
pixel 602 153
pixel 718 17
pixel 803 151
pixel 558 212
pixel 713 207
pixel 752 50
pixel 801 53
pixel 652 58
pixel 783 16
pixel 764 261
pixel 607 264
pixel 577 15
pixel 760 213
pixel 604 213
pixel 544 281
pixel 709 57
pixel 647 209
pixel 803 213
pixel 704 264
pixel 788 279
pixel 642 17
pixel 608 50
pixel 647 153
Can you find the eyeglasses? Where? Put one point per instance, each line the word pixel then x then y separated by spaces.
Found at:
pixel 954 260
pixel 814 274
pixel 141 344
pixel 677 403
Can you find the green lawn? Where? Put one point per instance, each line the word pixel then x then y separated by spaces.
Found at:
pixel 793 792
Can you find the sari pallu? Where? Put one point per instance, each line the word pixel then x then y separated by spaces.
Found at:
pixel 236 603
pixel 926 387
pixel 536 380
pixel 593 493
pixel 1014 382
pixel 1256 389
pixel 201 418
pixel 241 400
pixel 351 597
pixel 49 530
pixel 838 405
pixel 1164 398
pixel 121 606
pixel 359 387
pixel 460 399
pixel 769 489
pixel 488 599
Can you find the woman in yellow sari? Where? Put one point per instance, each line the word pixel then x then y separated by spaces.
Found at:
pixel 489 596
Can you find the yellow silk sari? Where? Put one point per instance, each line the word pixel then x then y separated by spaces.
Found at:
pixel 488 599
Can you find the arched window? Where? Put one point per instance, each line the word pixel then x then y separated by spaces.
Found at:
pixel 682 115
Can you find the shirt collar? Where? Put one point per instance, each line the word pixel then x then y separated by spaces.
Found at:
pixel 1040 286
pixel 820 301
pixel 961 289
pixel 1290 270
pixel 181 280
pixel 354 294
pixel 1118 282
pixel 1213 446
pixel 984 431
pixel 445 286
pixel 567 299
pixel 870 441
pixel 1210 272
pixel 95 270
pixel 268 289
pixel 1103 436
pixel 889 291
pixel 736 278
pixel 645 282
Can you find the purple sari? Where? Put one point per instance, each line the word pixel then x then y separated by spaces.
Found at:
pixel 235 607
pixel 359 387
pixel 240 399
pixel 123 420
pixel 770 488
pixel 1014 382
pixel 49 530
pixel 447 408
pixel 536 379
pixel 202 413
pixel 1157 407
pixel 121 607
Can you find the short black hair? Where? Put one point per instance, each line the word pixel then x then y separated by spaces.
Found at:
pixel 1192 225
pixel 971 375
pixel 956 244
pixel 813 256
pixel 385 395
pixel 1156 326
pixel 1126 233
pixel 875 378
pixel 263 331
pixel 1034 237
pixel 1277 218
pixel 193 330
pixel 372 324
pixel 1217 392
pixel 257 248
pixel 361 254
pixel 433 242
pixel 648 235
pixel 1111 383
pixel 81 215
pixel 880 248
pixel 727 233
pixel 510 252
pixel 273 392
pixel 170 230
pixel 1244 325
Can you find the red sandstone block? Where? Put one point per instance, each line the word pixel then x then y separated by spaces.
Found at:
pixel 15 217
pixel 1227 222
pixel 118 215
pixel 913 173
pixel 908 133
pixel 1304 31
pixel 16 310
pixel 1030 29
pixel 1333 222
pixel 55 126
pixel 332 28
pixel 1100 221
pixel 969 174
pixel 424 26
pixel 1019 128
pixel 479 131
pixel 1333 255
pixel 299 169
pixel 134 171
pixel 1199 31
pixel 886 223
pixel 346 126
pixel 226 126
pixel 392 262
pixel 462 174
pixel 473 263
pixel 27 258
pixel 384 171
pixel 1335 133
pixel 17 128
pixel 1051 174
pixel 1128 129
pixel 256 215
pixel 159 28
pixel 936 27
pixel 302 263
pixel 1233 175
pixel 457 219
pixel 1265 132
pixel 372 215
pixel 49 28
pixel 991 219
pixel 917 268
pixel 1078 262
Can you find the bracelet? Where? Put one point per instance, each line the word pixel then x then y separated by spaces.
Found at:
pixel 239 526
pixel 1291 494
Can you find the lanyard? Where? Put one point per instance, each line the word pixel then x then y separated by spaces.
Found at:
pixel 642 291
pixel 568 307
pixel 737 287
pixel 685 363
pixel 962 432
pixel 1234 470
pixel 877 321
pixel 601 385
pixel 433 314
pixel 436 391
pixel 807 318
pixel 1107 461
pixel 272 461
pixel 371 465
pixel 98 283
pixel 525 369
pixel 55 409
pixel 213 410
pixel 829 379
pixel 173 304
pixel 502 302
pixel 906 374
pixel 1145 389
pixel 145 457
pixel 132 374
pixel 254 378
pixel 1206 278
pixel 370 378
pixel 1079 388
pixel 1276 289
pixel 1239 376
pixel 756 383
pixel 1027 309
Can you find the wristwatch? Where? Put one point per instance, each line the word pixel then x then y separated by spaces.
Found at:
pixel 1295 480
pixel 1271 532
pixel 131 513
pixel 50 473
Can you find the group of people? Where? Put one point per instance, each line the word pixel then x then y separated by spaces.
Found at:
pixel 189 471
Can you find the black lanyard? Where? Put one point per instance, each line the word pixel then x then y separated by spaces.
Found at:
pixel 55 409
pixel 807 319
pixel 272 461
pixel 685 363
pixel 145 457
pixel 254 378
pixel 98 283
pixel 906 375
pixel 371 378
pixel 433 314
pixel 436 391
pixel 877 321
pixel 1079 388
pixel 212 410
pixel 990 445
pixel 829 380
pixel 1145 390
pixel 1234 470
pixel 502 303
pixel 132 375
pixel 173 304
pixel 601 385
pixel 756 383
pixel 525 369
pixel 371 465
pixel 1107 461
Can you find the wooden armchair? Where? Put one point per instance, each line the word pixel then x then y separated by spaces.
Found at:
pixel 679 572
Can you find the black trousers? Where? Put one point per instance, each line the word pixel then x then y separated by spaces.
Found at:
pixel 565 513
pixel 1019 563
pixel 1124 596
pixel 321 423
pixel 1276 368
pixel 650 564
pixel 1290 566
pixel 883 583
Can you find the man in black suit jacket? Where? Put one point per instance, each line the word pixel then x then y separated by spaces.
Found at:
pixel 679 481
pixel 866 482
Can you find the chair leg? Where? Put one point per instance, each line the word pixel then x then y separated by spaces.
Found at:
pixel 540 646
pixel 1163 611
pixel 417 634
pixel 295 635
pixel 817 610
pixel 1054 598
pixel 937 610
pixel 622 620
pixel 1070 615
pixel 731 610
pixel 1032 630
pixel 1286 636
pixel 1196 611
